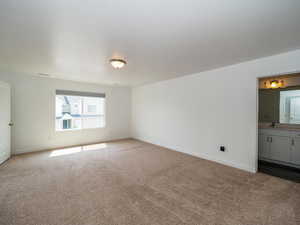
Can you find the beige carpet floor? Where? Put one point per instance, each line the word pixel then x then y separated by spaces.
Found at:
pixel 131 182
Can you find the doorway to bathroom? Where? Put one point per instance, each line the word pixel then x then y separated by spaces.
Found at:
pixel 279 126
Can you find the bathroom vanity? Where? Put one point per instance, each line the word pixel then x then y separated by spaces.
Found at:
pixel 279 145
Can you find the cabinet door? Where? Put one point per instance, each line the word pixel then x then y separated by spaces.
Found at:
pixel 263 146
pixel 295 151
pixel 280 148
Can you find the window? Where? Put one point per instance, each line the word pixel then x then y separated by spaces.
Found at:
pixel 67 124
pixel 92 108
pixel 79 110
pixel 290 106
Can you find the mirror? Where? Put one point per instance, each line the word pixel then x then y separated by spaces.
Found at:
pixel 280 105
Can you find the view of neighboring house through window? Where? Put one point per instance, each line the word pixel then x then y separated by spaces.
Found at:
pixel 290 106
pixel 79 110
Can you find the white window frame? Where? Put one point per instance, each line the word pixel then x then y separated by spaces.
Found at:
pixel 79 94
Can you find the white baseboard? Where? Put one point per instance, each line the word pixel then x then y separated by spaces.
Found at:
pixel 208 157
pixel 50 148
pixel 225 162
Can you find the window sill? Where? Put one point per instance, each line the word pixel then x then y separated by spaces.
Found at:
pixel 75 130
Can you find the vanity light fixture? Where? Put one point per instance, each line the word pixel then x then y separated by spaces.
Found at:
pixel 117 63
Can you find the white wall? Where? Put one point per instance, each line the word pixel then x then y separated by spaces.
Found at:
pixel 196 114
pixel 33 113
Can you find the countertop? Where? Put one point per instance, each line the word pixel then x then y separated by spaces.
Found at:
pixel 283 127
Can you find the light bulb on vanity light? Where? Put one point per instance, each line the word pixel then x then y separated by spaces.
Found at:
pixel 276 83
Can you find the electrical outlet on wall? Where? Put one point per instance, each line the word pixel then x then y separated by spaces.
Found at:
pixel 222 148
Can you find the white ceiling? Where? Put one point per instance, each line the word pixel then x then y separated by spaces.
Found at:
pixel 160 39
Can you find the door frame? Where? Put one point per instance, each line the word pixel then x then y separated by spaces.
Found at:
pixel 291 73
pixel 7 85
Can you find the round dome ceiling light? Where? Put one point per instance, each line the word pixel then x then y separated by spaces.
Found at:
pixel 117 63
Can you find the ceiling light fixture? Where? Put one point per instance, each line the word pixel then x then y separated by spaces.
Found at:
pixel 117 63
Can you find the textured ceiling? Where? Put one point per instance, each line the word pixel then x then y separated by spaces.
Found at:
pixel 160 40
